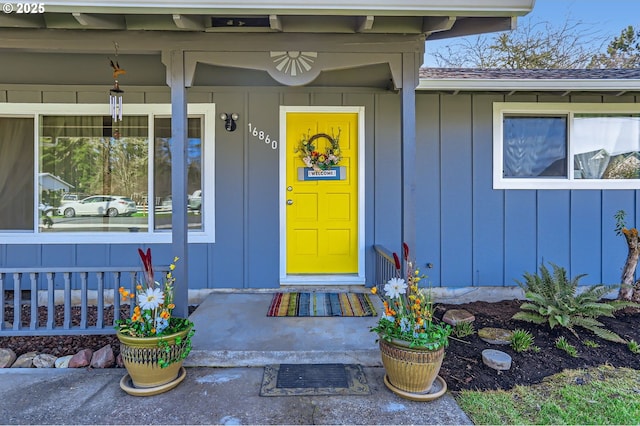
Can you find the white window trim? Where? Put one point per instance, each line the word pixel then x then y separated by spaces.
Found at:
pixel 542 109
pixel 207 235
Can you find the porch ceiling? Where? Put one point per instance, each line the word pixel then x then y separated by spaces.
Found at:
pixel 435 19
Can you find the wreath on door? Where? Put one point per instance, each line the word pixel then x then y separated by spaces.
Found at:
pixel 316 159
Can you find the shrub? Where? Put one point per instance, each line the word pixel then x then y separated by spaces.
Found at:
pixel 634 346
pixel 521 340
pixel 562 343
pixel 463 329
pixel 553 299
pixel 590 344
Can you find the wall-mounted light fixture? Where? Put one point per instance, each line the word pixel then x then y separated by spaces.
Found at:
pixel 229 121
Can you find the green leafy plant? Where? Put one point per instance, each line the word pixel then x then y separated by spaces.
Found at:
pixel 553 299
pixel 562 343
pixel 463 329
pixel 634 346
pixel 521 340
pixel 408 310
pixel 590 344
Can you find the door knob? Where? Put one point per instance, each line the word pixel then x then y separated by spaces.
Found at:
pixel 289 202
pixel 289 188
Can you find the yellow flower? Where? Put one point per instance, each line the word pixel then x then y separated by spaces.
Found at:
pixel 175 259
pixel 172 266
pixel 171 306
pixel 374 290
pixel 139 287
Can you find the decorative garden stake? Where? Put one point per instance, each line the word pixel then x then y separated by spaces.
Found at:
pixel 630 289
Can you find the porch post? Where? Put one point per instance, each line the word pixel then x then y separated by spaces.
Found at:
pixel 408 143
pixel 179 231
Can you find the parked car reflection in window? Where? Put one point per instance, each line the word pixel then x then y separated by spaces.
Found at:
pixel 100 205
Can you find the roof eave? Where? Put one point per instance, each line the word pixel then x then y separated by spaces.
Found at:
pixel 303 7
pixel 528 85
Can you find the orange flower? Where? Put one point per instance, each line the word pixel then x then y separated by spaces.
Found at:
pixel 171 306
pixel 374 290
pixel 164 314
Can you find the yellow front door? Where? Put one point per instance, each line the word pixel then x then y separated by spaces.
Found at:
pixel 322 209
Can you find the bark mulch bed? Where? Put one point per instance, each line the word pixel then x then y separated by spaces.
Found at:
pixel 462 367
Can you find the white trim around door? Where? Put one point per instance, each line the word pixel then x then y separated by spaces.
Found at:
pixel 325 279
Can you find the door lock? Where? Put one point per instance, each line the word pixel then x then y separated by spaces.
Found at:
pixel 289 188
pixel 289 202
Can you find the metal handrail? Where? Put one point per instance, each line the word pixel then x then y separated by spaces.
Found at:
pixel 385 265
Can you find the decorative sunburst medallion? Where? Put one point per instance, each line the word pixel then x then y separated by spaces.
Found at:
pixel 293 62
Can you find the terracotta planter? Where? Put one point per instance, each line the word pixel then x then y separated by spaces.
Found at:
pixel 140 356
pixel 411 370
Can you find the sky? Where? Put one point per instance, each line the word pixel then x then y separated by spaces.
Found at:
pixel 607 16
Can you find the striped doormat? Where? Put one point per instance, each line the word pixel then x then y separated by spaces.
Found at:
pixel 315 304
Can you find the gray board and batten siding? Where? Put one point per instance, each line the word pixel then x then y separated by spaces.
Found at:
pixel 476 235
pixel 472 234
pixel 245 252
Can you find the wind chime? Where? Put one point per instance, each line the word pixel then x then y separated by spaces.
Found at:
pixel 115 94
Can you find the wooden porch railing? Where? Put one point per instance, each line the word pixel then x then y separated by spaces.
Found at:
pixel 60 291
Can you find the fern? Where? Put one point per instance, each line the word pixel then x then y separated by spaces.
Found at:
pixel 553 299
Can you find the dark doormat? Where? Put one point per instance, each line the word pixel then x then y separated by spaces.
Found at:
pixel 314 379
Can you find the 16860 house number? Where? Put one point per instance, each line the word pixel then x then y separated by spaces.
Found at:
pixel 261 135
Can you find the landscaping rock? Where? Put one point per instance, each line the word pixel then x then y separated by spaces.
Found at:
pixel 495 336
pixel 103 357
pixel 63 361
pixel 7 358
pixel 25 360
pixel 497 360
pixel 454 316
pixel 81 359
pixel 44 361
pixel 119 361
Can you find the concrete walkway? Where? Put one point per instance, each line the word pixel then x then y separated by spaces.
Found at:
pixel 234 339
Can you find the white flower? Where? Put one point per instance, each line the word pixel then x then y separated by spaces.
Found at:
pixel 395 287
pixel 151 298
pixel 307 161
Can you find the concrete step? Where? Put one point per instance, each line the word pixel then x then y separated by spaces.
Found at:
pixel 233 330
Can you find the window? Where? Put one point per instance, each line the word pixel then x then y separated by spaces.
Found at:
pixel 566 146
pixel 86 180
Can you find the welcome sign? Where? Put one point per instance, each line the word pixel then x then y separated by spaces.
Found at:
pixel 334 173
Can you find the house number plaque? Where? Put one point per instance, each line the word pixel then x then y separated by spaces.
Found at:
pixel 262 136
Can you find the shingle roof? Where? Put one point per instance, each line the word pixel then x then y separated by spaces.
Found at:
pixel 564 81
pixel 537 74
